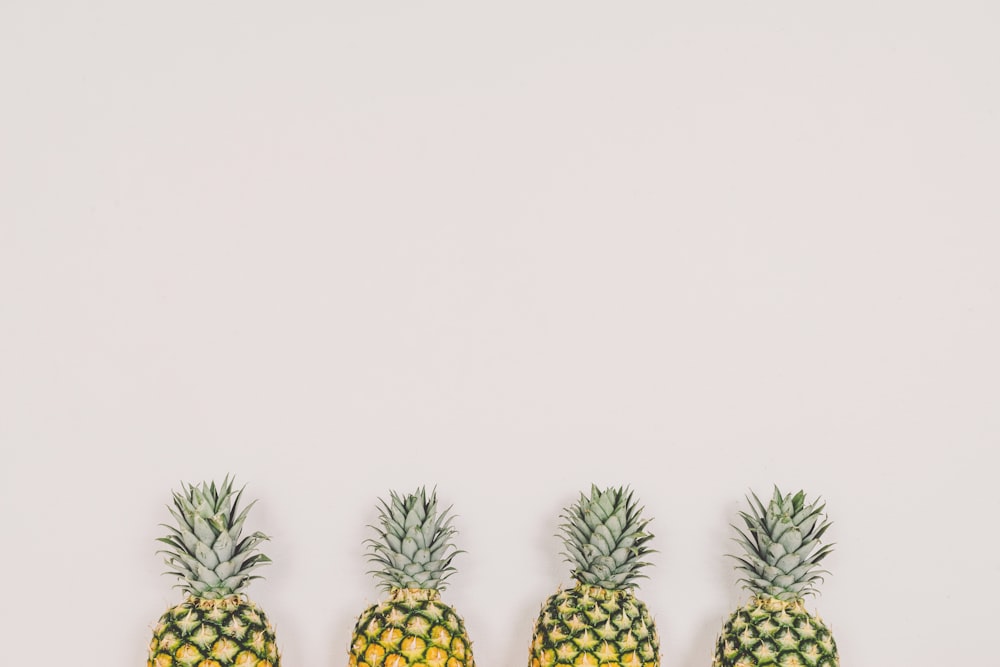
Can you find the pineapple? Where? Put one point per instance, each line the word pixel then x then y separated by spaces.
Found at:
pixel 599 621
pixel 216 625
pixel 779 564
pixel 413 555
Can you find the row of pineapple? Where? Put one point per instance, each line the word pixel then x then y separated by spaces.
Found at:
pixel 598 622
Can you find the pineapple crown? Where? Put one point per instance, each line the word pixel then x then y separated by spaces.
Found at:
pixel 605 538
pixel 414 548
pixel 206 551
pixel 779 560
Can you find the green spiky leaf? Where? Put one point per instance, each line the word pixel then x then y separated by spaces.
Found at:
pixel 781 548
pixel 205 549
pixel 414 545
pixel 605 538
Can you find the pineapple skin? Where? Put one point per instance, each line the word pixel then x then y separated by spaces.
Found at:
pixel 590 626
pixel 768 631
pixel 202 632
pixel 412 627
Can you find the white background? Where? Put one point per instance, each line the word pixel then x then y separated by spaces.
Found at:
pixel 509 250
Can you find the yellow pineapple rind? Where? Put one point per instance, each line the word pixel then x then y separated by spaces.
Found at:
pixel 413 628
pixel 769 631
pixel 217 632
pixel 566 633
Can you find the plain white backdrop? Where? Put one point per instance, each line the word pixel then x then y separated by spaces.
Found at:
pixel 509 250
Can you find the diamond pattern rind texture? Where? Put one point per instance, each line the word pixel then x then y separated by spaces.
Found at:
pixel 775 632
pixel 411 628
pixel 588 626
pixel 213 633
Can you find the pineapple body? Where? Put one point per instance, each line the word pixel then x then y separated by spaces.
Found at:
pixel 412 627
pixel 412 556
pixel 768 631
pixel 599 621
pixel 590 626
pixel 216 625
pixel 780 561
pixel 213 633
